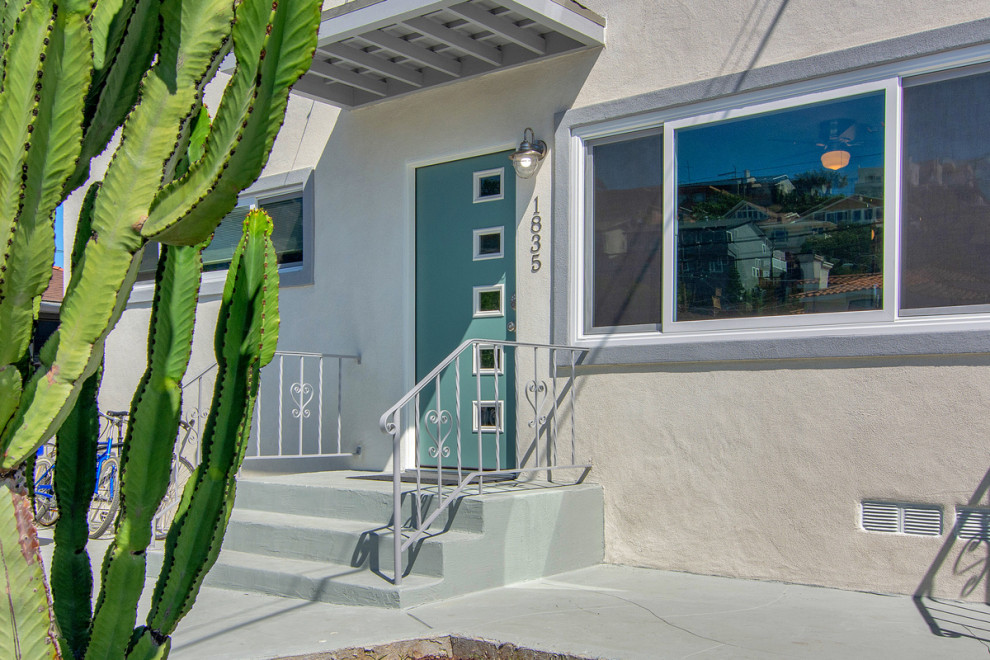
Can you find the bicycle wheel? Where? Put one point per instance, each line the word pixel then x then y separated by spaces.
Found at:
pixel 45 507
pixel 181 472
pixel 106 499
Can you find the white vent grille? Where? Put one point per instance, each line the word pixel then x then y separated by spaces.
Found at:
pixel 880 517
pixel 973 523
pixel 893 518
pixel 925 521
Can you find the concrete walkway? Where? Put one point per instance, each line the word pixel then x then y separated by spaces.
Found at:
pixel 601 612
pixel 607 612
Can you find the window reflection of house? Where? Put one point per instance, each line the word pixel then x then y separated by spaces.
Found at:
pixel 845 293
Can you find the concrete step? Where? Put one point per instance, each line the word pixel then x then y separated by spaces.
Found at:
pixel 357 497
pixel 320 581
pixel 327 537
pixel 347 542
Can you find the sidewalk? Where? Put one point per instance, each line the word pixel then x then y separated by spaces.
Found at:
pixel 604 611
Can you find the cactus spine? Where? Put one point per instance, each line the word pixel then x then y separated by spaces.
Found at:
pixel 72 74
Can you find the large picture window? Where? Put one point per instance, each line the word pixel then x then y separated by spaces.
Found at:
pixel 781 213
pixel 851 209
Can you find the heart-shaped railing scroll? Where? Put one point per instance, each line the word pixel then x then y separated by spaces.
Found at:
pixel 302 394
pixel 536 395
pixel 444 424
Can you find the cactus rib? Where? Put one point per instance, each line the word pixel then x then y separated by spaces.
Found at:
pixel 194 539
pixel 269 61
pixel 151 135
pixel 75 478
pixel 154 417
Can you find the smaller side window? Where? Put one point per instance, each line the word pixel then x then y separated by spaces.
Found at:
pixel 286 212
pixel 292 228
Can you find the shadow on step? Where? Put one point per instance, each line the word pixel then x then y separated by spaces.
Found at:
pixel 369 545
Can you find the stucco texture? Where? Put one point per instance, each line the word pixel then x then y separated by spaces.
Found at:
pixel 757 470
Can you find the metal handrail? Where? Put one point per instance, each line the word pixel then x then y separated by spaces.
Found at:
pixel 383 422
pixel 545 421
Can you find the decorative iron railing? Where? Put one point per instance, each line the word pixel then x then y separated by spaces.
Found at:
pixel 298 391
pixel 298 414
pixel 462 425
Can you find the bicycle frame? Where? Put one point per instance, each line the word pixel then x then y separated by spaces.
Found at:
pixel 43 486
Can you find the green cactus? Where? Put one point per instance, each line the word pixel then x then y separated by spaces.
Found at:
pixel 246 334
pixel 74 73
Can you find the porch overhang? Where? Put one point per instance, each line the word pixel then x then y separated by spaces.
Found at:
pixel 373 50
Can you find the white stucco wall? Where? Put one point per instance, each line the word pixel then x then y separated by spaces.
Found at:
pixel 746 468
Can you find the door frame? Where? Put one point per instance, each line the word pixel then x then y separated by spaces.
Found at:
pixel 408 456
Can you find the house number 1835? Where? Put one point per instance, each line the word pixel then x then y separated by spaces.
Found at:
pixel 535 226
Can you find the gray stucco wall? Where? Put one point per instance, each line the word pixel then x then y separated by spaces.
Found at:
pixel 749 468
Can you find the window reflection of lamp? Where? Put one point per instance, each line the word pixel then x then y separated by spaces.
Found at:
pixel 835 159
pixel 836 135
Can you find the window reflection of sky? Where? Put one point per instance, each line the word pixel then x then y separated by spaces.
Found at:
pixel 783 142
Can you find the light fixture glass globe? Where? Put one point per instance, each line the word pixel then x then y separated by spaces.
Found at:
pixel 525 164
pixel 526 159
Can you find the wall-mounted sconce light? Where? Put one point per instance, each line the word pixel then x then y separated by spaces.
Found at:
pixel 527 158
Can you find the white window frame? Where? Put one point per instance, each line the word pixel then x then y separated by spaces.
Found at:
pixel 478 313
pixel 476 416
pixel 499 360
pixel 476 241
pixel 889 321
pixel 892 107
pixel 484 174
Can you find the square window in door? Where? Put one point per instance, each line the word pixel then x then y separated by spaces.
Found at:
pixel 490 357
pixel 488 243
pixel 489 301
pixel 488 185
pixel 488 416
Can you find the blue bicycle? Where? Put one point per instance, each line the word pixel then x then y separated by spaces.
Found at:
pixel 106 494
pixel 45 509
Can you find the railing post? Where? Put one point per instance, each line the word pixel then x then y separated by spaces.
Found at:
pixel 498 424
pixel 340 401
pixel 440 440
pixel 536 406
pixel 319 412
pixel 457 411
pixel 573 414
pixel 397 498
pixel 281 395
pixel 419 468
pixel 302 397
pixel 476 347
pixel 552 436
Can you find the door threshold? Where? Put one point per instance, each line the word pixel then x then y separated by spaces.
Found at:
pixel 429 476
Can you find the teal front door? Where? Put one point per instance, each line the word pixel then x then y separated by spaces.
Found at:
pixel 465 285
